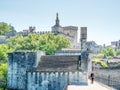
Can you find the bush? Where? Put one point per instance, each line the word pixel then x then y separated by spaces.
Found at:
pixel 118 52
pixel 3 76
pixel 100 55
pixel 109 52
pixel 103 64
pixel 109 57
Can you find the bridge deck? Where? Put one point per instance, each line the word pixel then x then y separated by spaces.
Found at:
pixel 94 86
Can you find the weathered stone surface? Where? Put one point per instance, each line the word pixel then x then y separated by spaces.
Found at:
pixel 25 72
pixel 86 61
pixel 18 64
pixel 58 63
pixel 83 37
pixel 54 80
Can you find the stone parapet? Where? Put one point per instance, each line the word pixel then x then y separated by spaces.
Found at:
pixel 18 64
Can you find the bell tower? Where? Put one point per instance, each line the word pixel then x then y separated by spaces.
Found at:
pixel 56 29
pixel 57 19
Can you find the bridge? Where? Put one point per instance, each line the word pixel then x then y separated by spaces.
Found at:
pixel 34 71
pixel 94 86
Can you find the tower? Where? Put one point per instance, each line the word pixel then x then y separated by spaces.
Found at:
pixel 83 38
pixel 57 20
pixel 56 29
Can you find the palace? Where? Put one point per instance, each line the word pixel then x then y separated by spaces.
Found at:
pixel 69 32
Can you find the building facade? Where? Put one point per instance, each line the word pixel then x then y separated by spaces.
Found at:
pixel 94 47
pixel 2 39
pixel 115 44
pixel 69 32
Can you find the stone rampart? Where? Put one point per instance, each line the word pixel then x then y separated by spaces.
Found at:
pixel 18 64
pixel 54 80
pixel 32 70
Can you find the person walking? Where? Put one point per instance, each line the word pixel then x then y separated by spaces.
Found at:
pixel 92 77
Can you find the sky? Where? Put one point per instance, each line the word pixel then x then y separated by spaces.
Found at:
pixel 101 17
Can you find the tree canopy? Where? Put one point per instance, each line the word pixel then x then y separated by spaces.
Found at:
pixel 3 53
pixel 46 42
pixel 118 52
pixel 3 65
pixel 4 27
pixel 109 52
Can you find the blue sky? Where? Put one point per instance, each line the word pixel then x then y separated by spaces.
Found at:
pixel 102 17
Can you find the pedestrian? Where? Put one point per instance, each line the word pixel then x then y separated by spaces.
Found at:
pixel 92 77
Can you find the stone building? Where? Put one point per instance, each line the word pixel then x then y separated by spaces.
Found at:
pixel 94 47
pixel 115 45
pixel 25 32
pixel 2 39
pixel 11 33
pixel 83 39
pixel 69 32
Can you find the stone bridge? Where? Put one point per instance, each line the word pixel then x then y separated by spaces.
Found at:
pixel 35 71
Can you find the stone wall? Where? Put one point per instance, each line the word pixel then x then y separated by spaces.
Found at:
pixel 68 52
pixel 54 80
pixel 18 64
pixel 86 61
pixel 58 63
pixel 25 72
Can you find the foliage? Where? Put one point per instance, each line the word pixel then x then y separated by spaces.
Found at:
pixel 103 64
pixel 109 52
pixel 109 57
pixel 46 42
pixel 3 75
pixel 100 55
pixel 3 65
pixel 3 53
pixel 4 27
pixel 95 61
pixel 118 52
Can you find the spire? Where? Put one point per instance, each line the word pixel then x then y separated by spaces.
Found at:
pixel 57 19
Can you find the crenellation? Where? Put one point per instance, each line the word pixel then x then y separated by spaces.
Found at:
pixel 56 80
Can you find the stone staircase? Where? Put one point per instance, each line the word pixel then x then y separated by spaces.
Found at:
pixel 55 63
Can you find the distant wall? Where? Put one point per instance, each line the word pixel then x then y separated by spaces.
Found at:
pixel 68 52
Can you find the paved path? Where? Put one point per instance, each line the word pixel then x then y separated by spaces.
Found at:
pixel 94 86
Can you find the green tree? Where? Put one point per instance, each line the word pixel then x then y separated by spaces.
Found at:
pixel 3 53
pixel 46 42
pixel 109 52
pixel 118 52
pixel 4 27
pixel 3 76
pixel 15 42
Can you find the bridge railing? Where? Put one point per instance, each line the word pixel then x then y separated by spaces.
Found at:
pixel 108 81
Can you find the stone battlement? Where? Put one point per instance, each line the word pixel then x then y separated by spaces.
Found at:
pixel 30 69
